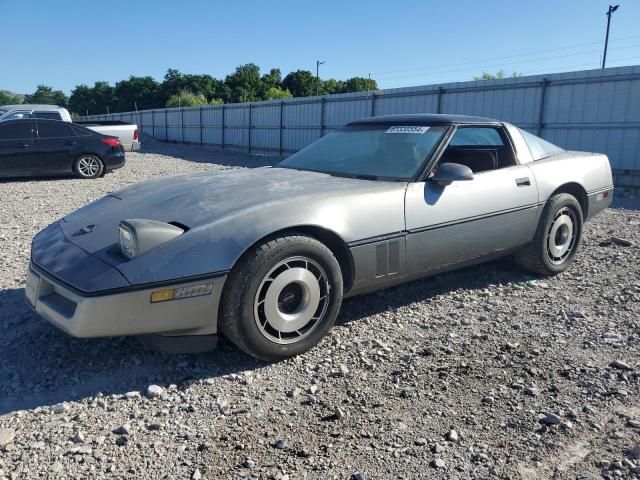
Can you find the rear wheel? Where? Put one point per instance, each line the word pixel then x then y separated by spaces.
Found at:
pixel 88 166
pixel 282 297
pixel 557 238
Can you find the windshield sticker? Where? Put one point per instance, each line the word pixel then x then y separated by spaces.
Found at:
pixel 418 130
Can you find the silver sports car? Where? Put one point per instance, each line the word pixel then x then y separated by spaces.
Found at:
pixel 266 256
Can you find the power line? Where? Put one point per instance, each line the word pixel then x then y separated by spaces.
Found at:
pixel 501 58
pixel 467 68
pixel 591 64
pixel 567 68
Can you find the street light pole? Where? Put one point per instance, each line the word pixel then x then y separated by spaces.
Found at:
pixel 612 8
pixel 318 63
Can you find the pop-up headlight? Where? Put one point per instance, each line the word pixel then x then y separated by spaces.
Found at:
pixel 138 235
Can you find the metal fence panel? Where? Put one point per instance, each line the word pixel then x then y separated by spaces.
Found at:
pixel 592 110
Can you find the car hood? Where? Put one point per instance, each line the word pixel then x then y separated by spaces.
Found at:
pixel 200 199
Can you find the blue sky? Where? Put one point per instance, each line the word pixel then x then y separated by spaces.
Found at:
pixel 63 43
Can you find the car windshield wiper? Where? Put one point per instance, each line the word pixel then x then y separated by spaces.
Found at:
pixel 364 176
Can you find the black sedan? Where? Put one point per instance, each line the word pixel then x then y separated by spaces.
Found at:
pixel 33 147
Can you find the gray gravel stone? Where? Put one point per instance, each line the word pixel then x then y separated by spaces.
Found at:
pixel 154 391
pixel 59 408
pixel 452 436
pixel 6 436
pixel 620 365
pixel 634 452
pixel 124 429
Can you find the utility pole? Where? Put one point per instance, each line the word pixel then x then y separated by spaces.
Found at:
pixel 318 63
pixel 612 8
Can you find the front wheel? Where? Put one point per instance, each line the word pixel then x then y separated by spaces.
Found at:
pixel 282 297
pixel 88 166
pixel 557 238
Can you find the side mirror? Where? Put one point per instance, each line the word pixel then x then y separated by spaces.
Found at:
pixel 451 172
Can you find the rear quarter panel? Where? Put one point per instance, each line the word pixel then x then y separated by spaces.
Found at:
pixel 591 171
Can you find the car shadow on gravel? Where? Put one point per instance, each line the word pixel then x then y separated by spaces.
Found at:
pixel 44 366
pixel 207 154
pixel 478 277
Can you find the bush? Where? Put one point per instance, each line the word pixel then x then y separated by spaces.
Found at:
pixel 186 99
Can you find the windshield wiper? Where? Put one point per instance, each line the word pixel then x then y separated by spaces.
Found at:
pixel 364 176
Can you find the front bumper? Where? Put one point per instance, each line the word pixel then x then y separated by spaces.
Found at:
pixel 123 313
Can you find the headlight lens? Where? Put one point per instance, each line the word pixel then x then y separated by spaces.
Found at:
pixel 138 235
pixel 127 243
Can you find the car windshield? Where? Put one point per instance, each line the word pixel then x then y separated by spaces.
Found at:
pixel 385 152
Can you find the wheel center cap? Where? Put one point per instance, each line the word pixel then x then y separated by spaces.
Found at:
pixel 290 298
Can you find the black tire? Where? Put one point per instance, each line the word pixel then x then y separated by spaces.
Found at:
pixel 540 255
pixel 88 166
pixel 244 323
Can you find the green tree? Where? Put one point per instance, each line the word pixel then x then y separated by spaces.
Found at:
pixel 301 83
pixel 185 98
pixel 245 83
pixel 104 97
pixel 275 93
pixel 210 87
pixel 172 84
pixel 48 96
pixel 9 98
pixel 332 86
pixel 141 91
pixel 359 84
pixel 81 101
pixel 496 76
pixel 270 80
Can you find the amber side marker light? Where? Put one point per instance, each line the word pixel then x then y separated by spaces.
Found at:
pixel 182 292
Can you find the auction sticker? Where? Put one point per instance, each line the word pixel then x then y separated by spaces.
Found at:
pixel 408 129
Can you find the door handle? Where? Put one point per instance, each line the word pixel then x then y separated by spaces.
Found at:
pixel 523 182
pixel 72 143
pixel 25 145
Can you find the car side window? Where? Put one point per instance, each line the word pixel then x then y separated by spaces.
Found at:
pixel 54 130
pixel 480 148
pixel 18 115
pixel 47 115
pixel 483 136
pixel 16 131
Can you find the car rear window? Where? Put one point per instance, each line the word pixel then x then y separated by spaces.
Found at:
pixel 538 147
pixel 80 131
pixel 47 115
pixel 53 130
pixel 15 130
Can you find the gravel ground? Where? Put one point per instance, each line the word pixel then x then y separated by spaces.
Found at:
pixel 481 373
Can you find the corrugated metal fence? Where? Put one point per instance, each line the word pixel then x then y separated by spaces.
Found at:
pixel 592 110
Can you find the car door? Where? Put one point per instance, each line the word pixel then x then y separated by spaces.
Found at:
pixel 55 144
pixel 470 220
pixel 16 147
